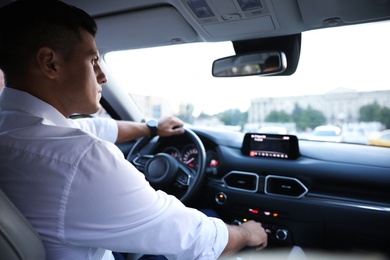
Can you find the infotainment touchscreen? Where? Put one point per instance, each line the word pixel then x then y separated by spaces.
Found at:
pixel 270 145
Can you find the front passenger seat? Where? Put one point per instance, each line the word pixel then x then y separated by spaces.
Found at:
pixel 18 239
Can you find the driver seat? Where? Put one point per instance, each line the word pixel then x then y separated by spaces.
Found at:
pixel 18 239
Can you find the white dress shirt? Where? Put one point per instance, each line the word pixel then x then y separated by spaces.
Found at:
pixel 84 198
pixel 104 128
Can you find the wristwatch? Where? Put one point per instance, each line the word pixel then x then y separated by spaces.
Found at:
pixel 152 125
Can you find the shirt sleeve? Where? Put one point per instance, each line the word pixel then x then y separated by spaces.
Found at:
pixel 104 128
pixel 111 205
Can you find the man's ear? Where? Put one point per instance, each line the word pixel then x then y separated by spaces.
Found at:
pixel 47 60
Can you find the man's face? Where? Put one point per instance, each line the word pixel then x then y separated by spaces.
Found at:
pixel 81 78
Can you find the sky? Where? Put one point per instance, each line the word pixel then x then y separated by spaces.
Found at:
pixel 354 57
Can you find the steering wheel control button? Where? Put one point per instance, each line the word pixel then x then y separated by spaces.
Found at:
pixel 183 179
pixel 221 198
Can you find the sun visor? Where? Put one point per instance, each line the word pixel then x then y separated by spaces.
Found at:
pixel 290 45
pixel 320 13
pixel 162 25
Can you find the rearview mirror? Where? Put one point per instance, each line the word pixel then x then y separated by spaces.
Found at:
pixel 259 63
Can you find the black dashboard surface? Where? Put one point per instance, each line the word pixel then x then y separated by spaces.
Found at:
pixel 333 196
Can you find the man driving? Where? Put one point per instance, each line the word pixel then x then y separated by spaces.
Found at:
pixel 78 191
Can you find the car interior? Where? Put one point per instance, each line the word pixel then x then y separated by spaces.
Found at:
pixel 327 198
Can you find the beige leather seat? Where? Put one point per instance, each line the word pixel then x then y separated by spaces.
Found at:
pixel 18 239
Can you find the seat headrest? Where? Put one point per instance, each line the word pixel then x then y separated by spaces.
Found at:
pixel 18 239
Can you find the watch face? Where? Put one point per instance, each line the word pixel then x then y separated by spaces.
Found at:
pixel 152 123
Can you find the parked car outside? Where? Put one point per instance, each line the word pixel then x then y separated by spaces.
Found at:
pixel 380 139
pixel 326 133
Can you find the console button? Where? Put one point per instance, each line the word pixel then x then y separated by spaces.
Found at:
pixel 281 234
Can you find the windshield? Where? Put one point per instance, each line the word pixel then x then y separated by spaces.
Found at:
pixel 342 81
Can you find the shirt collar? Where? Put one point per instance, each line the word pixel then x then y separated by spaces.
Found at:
pixel 17 100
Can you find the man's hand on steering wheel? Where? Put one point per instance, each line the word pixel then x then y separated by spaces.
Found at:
pixel 169 125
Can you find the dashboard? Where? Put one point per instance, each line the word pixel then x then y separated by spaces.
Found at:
pixel 328 196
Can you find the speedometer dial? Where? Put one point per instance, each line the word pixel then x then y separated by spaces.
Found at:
pixel 190 156
pixel 174 152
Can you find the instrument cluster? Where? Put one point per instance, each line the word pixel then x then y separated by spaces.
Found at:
pixel 188 155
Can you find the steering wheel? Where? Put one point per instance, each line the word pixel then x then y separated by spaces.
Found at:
pixel 168 174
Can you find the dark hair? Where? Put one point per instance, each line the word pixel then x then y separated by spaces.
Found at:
pixel 27 25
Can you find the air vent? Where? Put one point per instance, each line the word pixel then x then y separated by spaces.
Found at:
pixel 284 186
pixel 245 181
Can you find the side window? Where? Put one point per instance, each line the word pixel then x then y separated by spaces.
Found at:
pixel 156 111
pixel 102 113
